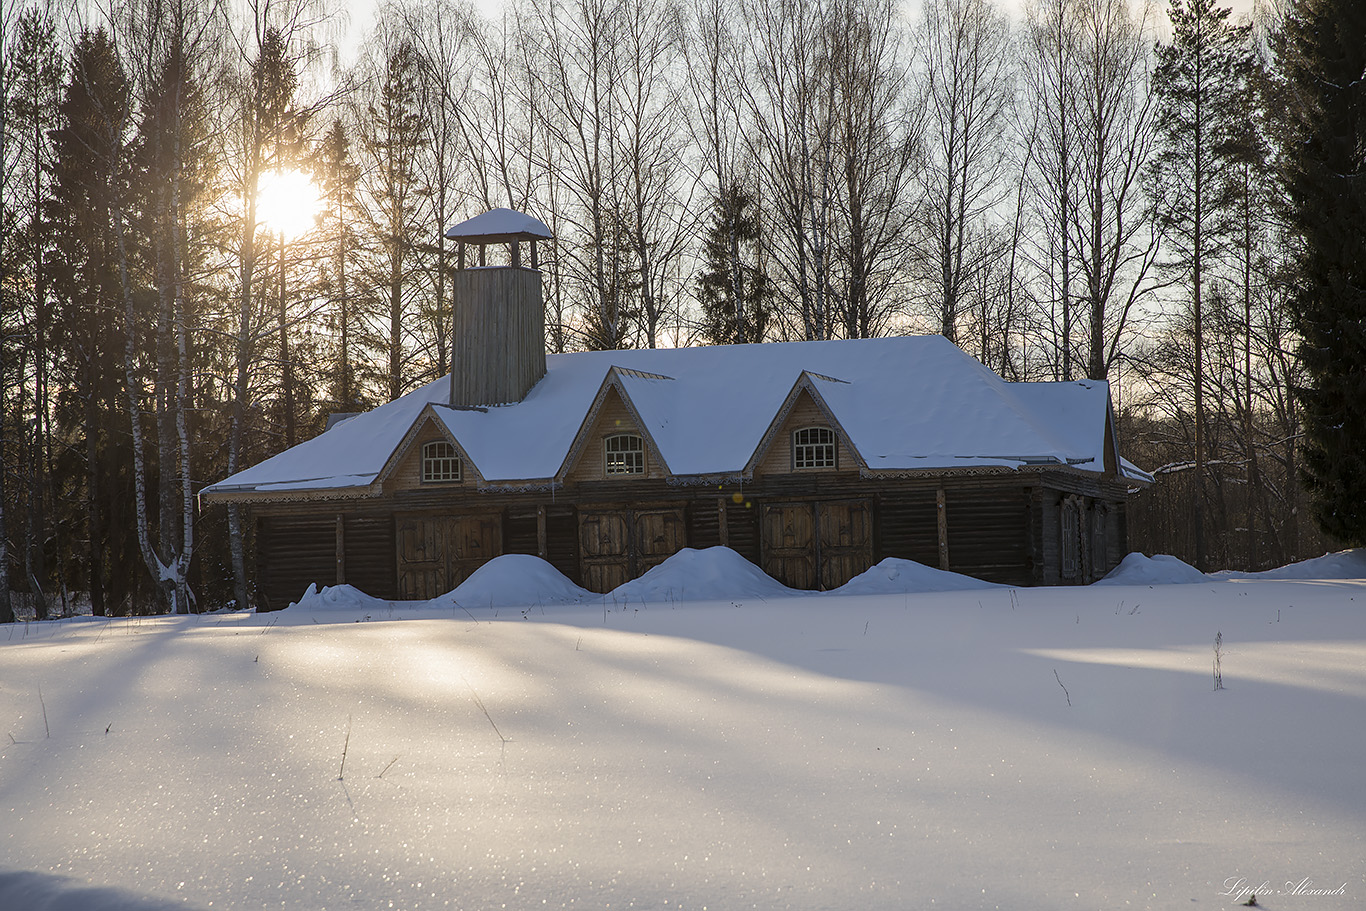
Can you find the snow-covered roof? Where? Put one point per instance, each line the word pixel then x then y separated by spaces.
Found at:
pixel 500 225
pixel 904 404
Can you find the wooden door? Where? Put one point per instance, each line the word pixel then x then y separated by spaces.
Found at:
pixel 471 542
pixel 436 553
pixel 421 557
pixel 605 549
pixel 659 534
pixel 788 539
pixel 846 540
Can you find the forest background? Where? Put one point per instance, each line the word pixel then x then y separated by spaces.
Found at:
pixel 222 223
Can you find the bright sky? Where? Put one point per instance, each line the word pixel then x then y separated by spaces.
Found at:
pixel 362 13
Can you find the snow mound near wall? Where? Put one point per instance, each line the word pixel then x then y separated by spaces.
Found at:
pixel 515 580
pixel 335 598
pixel 712 574
pixel 1138 569
pixel 895 576
pixel 1346 564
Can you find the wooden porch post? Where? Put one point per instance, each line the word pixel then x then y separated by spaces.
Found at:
pixel 541 548
pixel 341 550
pixel 943 515
pixel 722 529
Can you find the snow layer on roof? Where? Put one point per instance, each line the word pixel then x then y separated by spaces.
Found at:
pixel 500 223
pixel 905 403
pixel 351 454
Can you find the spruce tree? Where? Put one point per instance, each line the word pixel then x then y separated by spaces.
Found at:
pixel 733 292
pixel 87 179
pixel 1322 55
pixel 33 77
pixel 337 175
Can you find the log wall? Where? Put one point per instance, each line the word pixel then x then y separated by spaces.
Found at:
pixel 1002 528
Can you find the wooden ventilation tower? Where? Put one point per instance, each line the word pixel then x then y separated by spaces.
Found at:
pixel 498 344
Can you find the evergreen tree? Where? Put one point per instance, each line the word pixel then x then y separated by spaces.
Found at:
pixel 1322 53
pixel 172 183
pixel 732 290
pixel 337 175
pixel 394 139
pixel 1199 85
pixel 86 177
pixel 614 309
pixel 32 90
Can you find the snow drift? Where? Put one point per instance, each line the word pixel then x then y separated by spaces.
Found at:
pixel 711 574
pixel 894 576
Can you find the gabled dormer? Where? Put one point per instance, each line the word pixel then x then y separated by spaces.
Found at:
pixel 613 444
pixel 805 436
pixel 428 458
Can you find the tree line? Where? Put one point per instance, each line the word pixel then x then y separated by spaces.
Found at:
pixel 1091 190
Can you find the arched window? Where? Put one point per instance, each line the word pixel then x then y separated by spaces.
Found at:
pixel 813 447
pixel 623 453
pixel 440 462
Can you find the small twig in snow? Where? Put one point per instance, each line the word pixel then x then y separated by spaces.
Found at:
pixel 1218 660
pixel 345 745
pixel 47 730
pixel 386 768
pixel 1064 689
pixel 479 702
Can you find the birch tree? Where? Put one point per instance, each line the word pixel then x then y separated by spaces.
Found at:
pixel 1115 237
pixel 968 94
pixel 789 110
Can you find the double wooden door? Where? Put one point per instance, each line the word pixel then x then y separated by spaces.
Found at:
pixel 818 545
pixel 618 545
pixel 437 552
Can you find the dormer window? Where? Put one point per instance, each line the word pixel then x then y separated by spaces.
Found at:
pixel 623 453
pixel 440 462
pixel 813 447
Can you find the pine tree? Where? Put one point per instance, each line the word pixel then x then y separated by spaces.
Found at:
pixel 733 292
pixel 1199 84
pixel 1322 54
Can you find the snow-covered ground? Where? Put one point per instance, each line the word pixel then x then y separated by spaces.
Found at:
pixel 702 738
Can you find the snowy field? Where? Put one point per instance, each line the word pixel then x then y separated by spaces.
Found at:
pixel 701 739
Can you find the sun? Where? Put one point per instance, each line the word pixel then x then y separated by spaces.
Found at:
pixel 287 202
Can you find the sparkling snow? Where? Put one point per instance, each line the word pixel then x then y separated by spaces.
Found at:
pixel 985 748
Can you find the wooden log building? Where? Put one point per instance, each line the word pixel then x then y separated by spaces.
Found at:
pixel 814 460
